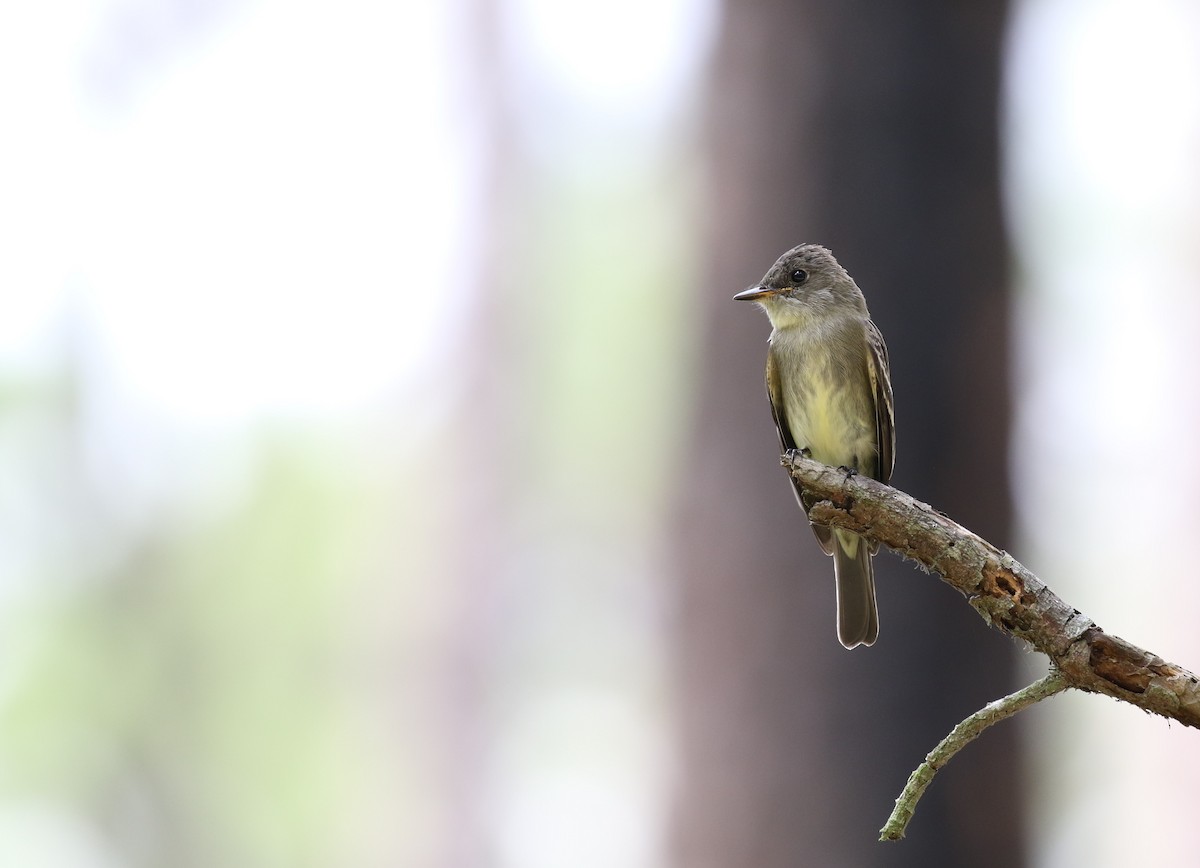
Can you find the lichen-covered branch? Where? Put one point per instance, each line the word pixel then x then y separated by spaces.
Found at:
pixel 960 737
pixel 1002 591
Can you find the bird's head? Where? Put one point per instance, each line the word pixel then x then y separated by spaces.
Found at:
pixel 803 284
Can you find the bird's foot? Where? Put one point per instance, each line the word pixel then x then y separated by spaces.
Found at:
pixel 849 471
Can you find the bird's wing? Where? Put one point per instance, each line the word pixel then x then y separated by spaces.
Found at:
pixel 787 443
pixel 775 394
pixel 885 411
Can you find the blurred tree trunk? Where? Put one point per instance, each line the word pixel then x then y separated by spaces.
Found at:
pixel 472 639
pixel 871 128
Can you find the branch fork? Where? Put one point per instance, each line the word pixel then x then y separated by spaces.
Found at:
pixel 1006 595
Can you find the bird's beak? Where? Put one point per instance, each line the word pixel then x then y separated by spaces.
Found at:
pixel 754 293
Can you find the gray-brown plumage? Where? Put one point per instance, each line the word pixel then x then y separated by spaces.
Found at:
pixel 831 395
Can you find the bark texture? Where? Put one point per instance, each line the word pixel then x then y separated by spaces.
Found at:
pixel 1006 594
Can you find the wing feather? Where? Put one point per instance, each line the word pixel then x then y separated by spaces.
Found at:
pixel 880 372
pixel 885 411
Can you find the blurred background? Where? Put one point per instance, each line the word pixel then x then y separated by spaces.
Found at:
pixel 386 478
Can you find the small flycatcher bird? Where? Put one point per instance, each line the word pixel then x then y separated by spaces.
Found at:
pixel 831 396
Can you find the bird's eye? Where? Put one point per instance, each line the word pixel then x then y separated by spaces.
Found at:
pixel 799 276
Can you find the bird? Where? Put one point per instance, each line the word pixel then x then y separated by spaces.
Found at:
pixel 829 387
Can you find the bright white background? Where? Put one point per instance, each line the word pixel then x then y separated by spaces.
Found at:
pixel 1103 147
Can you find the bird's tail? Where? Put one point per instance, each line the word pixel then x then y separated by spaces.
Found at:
pixel 858 620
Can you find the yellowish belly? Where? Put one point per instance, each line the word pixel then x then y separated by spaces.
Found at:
pixel 832 422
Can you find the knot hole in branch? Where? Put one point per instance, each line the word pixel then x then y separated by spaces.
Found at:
pixel 999 582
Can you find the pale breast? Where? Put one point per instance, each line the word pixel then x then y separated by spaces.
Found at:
pixel 827 398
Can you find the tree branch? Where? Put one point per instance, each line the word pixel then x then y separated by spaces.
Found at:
pixel 959 737
pixel 1004 593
